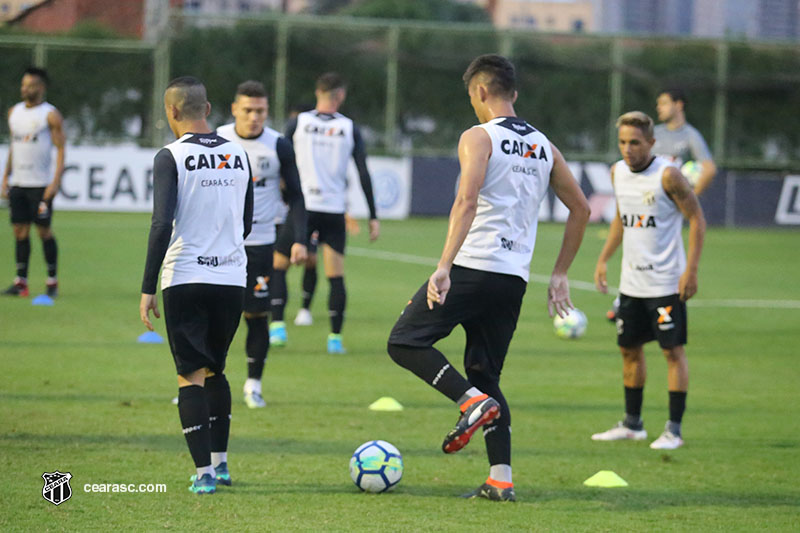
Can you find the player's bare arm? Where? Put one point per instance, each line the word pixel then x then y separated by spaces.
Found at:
pixel 7 170
pixel 613 241
pixel 474 149
pixel 56 124
pixel 680 191
pixel 709 170
pixel 567 190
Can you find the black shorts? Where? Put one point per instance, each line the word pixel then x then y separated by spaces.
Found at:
pixel 28 207
pixel 201 321
pixel 329 228
pixel 259 270
pixel 641 320
pixel 487 306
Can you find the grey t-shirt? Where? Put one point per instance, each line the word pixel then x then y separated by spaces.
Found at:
pixel 681 145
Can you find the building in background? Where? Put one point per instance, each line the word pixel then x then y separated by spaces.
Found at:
pixel 555 15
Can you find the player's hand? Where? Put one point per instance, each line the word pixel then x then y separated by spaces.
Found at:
pixel 299 253
pixel 4 189
pixel 351 225
pixel 374 229
pixel 687 285
pixel 558 301
pixel 438 286
pixel 148 302
pixel 49 193
pixel 600 281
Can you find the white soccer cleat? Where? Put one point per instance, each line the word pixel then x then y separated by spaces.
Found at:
pixel 667 441
pixel 254 400
pixel 621 432
pixel 303 318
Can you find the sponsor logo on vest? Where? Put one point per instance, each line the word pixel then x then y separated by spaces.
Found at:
pixel 323 130
pixel 638 221
pixel 513 246
pixel 649 198
pixel 643 268
pixel 523 149
pixel 528 171
pixel 27 138
pixel 213 161
pixel 217 261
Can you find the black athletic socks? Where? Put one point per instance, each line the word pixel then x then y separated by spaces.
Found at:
pixel 50 255
pixel 497 433
pixel 218 396
pixel 257 346
pixel 677 405
pixel 23 256
pixel 193 410
pixel 336 302
pixel 277 288
pixel 309 286
pixel 633 408
pixel 431 366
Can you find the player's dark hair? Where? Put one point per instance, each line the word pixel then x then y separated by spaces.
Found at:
pixel 499 71
pixel 676 94
pixel 251 88
pixel 637 119
pixel 39 73
pixel 330 81
pixel 193 99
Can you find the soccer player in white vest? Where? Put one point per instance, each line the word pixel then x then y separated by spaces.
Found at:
pixel 274 178
pixel 507 166
pixel 29 183
pixel 324 141
pixel 202 213
pixel 653 197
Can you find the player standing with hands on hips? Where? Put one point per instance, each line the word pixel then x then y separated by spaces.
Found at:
pixel 506 167
pixel 653 197
pixel 202 212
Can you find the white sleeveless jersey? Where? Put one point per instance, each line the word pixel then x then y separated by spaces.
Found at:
pixel 31 145
pixel 503 233
pixel 267 202
pixel 207 242
pixel 653 258
pixel 323 146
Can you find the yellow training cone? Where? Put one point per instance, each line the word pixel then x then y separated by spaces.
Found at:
pixel 386 403
pixel 605 478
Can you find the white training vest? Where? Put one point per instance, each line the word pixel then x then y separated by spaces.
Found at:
pixel 503 233
pixel 323 146
pixel 31 145
pixel 207 242
pixel 653 258
pixel 265 166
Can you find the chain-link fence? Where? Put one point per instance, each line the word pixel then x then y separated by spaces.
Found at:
pixel 405 85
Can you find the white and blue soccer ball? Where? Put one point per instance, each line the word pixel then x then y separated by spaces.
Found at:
pixel 571 326
pixel 376 466
pixel 691 171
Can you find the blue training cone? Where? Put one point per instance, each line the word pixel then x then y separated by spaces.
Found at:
pixel 150 337
pixel 43 299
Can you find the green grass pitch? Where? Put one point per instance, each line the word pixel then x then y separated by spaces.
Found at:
pixel 80 395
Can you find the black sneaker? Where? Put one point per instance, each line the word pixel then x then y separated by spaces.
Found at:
pixel 52 289
pixel 482 410
pixel 490 492
pixel 18 288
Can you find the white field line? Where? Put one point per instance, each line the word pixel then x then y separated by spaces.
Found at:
pixel 577 284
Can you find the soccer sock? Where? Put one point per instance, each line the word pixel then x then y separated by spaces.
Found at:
pixel 277 288
pixel 677 405
pixel 432 367
pixel 633 407
pixel 336 303
pixel 257 346
pixel 203 470
pixel 471 393
pixel 497 433
pixel 50 255
pixel 309 286
pixel 501 473
pixel 217 458
pixel 218 395
pixel 193 411
pixel 252 385
pixel 23 255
